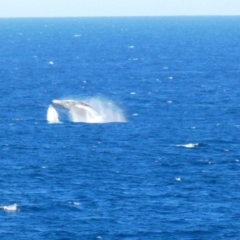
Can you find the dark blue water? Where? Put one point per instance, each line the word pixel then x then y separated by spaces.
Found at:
pixel 170 172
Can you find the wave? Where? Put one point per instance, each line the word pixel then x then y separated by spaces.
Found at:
pixel 189 145
pixel 10 208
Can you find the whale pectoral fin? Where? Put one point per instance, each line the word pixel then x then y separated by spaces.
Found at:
pixel 52 115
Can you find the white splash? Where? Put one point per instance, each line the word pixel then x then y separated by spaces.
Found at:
pixel 107 110
pixel 52 115
pixel 10 208
pixel 81 113
pixel 189 145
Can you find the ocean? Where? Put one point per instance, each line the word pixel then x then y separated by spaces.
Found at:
pixel 165 161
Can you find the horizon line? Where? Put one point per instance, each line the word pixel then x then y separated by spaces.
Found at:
pixel 121 16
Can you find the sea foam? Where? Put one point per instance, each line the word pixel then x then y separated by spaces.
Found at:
pixel 189 145
pixel 10 208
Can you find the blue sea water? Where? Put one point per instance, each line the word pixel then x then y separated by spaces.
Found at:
pixel 171 171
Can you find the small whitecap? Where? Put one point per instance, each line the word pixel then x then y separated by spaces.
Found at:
pixel 170 78
pixel 77 35
pixel 131 47
pixel 75 203
pixel 169 101
pixel 193 127
pixel 135 114
pixel 189 145
pixel 10 208
pixel 178 179
pixel 132 93
pixel 51 63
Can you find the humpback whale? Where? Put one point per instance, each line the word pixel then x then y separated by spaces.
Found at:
pixel 79 111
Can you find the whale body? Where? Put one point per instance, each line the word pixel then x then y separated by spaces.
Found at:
pixel 79 111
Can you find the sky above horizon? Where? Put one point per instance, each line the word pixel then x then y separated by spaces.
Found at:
pixel 85 8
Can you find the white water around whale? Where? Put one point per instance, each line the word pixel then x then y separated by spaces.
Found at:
pixel 52 115
pixel 98 111
pixel 101 111
pixel 81 113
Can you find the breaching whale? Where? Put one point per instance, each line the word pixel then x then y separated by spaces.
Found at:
pixel 79 111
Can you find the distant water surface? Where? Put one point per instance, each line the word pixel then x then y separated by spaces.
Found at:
pixel 171 171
